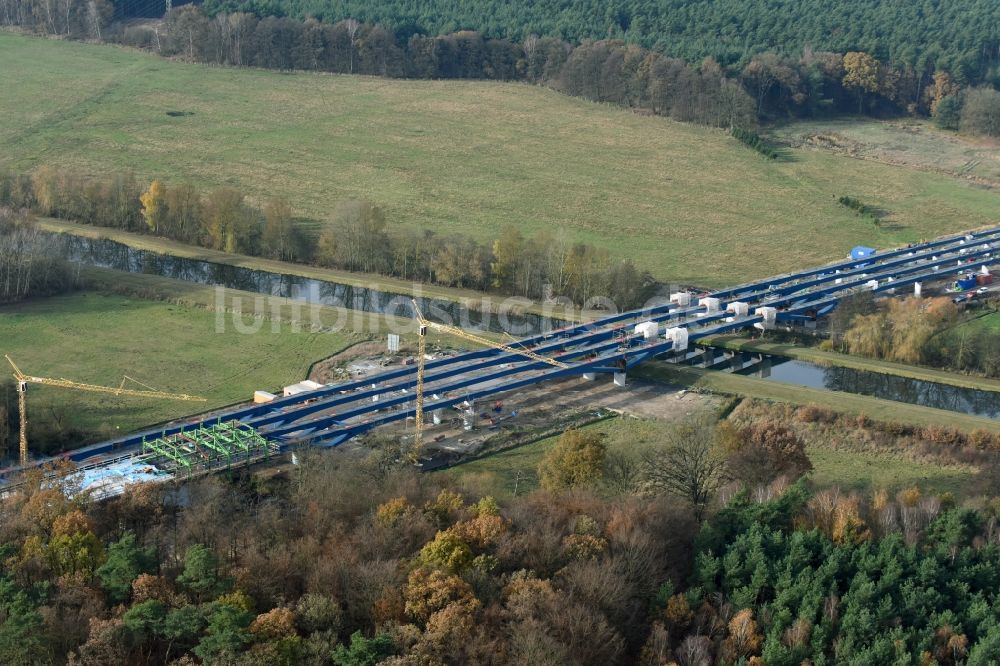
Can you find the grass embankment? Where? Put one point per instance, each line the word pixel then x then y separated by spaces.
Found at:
pixel 688 203
pixel 824 358
pixel 989 322
pixel 849 403
pixel 96 338
pixel 370 281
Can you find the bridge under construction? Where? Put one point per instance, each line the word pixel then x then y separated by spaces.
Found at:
pixel 610 345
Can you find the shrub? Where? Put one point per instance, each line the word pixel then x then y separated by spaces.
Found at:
pixel 984 440
pixel 981 112
pixel 948 112
pixel 863 210
pixel 816 414
pixel 770 449
pixel 752 140
pixel 575 461
pixel 894 428
pixel 943 436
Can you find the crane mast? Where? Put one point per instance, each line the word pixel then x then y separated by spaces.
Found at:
pixel 424 324
pixel 23 380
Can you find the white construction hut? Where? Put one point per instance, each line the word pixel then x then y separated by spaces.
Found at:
pixel 710 304
pixel 302 387
pixel 738 308
pixel 647 329
pixel 769 314
pixel 260 397
pixel 681 298
pixel 679 336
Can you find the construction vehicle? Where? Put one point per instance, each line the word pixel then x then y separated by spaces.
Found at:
pixel 23 380
pixel 423 325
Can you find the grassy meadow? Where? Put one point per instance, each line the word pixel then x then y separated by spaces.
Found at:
pixel 688 203
pixel 96 338
pixel 874 470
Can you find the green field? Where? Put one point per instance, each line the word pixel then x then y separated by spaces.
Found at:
pixel 96 338
pixel 686 202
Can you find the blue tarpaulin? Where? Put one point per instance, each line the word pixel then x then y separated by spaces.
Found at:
pixel 862 252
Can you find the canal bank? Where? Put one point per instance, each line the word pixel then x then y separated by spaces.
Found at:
pixel 498 314
pixel 167 247
pixel 824 358
pixel 752 387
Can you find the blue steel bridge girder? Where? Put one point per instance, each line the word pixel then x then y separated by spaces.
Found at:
pixel 607 362
pixel 605 346
pixel 311 429
pixel 410 382
pixel 605 340
pixel 604 363
pixel 829 301
pixel 787 293
pixel 901 263
pixel 740 290
pixel 321 428
pixel 660 313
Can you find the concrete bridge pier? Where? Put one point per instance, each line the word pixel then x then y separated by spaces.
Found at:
pixel 469 416
pixel 764 369
pixel 620 379
pixel 590 376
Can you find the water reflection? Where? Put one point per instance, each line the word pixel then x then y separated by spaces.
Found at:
pixel 890 387
pixel 111 254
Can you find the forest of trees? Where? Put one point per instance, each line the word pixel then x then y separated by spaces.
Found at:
pixel 725 89
pixel 767 85
pixel 358 559
pixel 357 237
pixel 958 36
pixel 29 266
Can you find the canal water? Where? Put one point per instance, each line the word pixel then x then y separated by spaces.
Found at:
pixel 889 387
pixel 106 253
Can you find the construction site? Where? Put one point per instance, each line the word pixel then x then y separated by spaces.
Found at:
pixel 444 405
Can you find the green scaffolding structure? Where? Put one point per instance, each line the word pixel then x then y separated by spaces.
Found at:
pixel 205 448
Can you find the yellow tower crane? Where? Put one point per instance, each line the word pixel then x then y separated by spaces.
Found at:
pixel 424 324
pixel 23 380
